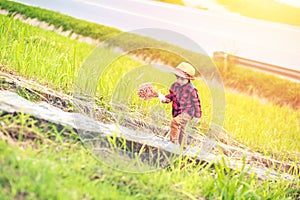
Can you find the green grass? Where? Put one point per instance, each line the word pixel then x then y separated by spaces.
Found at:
pixel 33 52
pixel 274 89
pixel 55 170
pixel 266 86
pixel 267 128
pixel 59 169
pixel 58 66
pixel 67 23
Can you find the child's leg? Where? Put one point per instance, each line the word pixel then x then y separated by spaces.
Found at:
pixel 175 129
pixel 185 118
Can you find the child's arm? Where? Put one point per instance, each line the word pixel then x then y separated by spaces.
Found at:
pixel 166 100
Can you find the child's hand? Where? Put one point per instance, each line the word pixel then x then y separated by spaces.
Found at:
pixel 162 98
pixel 166 101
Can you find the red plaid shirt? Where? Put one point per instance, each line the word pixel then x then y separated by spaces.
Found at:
pixel 185 100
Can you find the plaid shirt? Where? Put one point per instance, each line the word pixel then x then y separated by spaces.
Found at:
pixel 185 100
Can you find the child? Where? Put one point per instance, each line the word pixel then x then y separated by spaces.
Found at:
pixel 186 103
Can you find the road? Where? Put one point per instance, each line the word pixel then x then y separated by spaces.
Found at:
pixel 272 43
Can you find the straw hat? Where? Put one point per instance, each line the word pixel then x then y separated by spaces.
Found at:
pixel 185 70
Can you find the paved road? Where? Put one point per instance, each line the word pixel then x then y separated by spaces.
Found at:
pixel 268 42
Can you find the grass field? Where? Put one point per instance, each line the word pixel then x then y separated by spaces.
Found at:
pixel 54 167
pixel 278 91
pixel 29 50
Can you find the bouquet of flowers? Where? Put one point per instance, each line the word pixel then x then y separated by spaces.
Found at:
pixel 146 91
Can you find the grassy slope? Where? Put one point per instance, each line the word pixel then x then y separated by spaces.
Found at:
pixel 278 91
pixel 60 170
pixel 67 23
pixel 31 54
